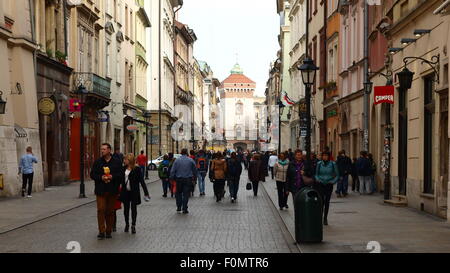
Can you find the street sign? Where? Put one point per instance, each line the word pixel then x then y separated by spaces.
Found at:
pixel 303 133
pixel 383 94
pixel 132 127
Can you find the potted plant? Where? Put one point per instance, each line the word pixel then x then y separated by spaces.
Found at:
pixel 61 57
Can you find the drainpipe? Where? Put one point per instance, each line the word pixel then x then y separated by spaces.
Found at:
pixel 366 77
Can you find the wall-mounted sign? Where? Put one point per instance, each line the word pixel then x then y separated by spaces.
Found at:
pixel 74 105
pixel 46 106
pixel 383 94
pixel 132 128
pixel 332 113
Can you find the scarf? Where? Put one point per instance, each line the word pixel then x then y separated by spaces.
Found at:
pixel 283 163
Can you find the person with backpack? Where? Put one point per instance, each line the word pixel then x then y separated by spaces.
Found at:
pixel 234 172
pixel 172 182
pixel 202 169
pixel 217 175
pixel 363 169
pixel 327 174
pixel 164 173
pixel 344 164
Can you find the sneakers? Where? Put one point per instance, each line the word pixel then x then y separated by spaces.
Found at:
pixel 232 199
pixel 178 210
pixel 101 236
pixel 185 211
pixel 29 196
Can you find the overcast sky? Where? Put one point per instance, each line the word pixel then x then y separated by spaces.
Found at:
pixel 225 28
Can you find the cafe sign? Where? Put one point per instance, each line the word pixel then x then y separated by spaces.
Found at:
pixel 46 106
pixel 383 94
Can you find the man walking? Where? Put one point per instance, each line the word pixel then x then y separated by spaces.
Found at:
pixel 363 170
pixel 26 168
pixel 272 160
pixel 202 169
pixel 107 175
pixel 142 162
pixel 184 172
pixel 344 164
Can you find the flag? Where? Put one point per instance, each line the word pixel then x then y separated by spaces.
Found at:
pixel 286 100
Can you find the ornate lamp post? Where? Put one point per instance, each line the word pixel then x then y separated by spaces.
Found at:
pixel 308 70
pixel 82 91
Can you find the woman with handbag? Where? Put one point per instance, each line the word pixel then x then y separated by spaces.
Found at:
pixel 279 170
pixel 131 192
pixel 256 172
pixel 217 173
pixel 327 174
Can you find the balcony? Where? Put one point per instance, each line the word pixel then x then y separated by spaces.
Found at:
pixel 99 89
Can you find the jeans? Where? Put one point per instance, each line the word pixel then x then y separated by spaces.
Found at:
pixel 233 184
pixel 365 184
pixel 355 183
pixel 255 188
pixel 165 185
pixel 201 182
pixel 326 191
pixel 271 171
pixel 282 194
pixel 105 212
pixel 373 184
pixel 126 211
pixel 342 186
pixel 142 170
pixel 27 179
pixel 184 188
pixel 219 186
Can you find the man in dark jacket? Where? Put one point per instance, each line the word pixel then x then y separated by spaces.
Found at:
pixel 234 171
pixel 344 164
pixel 184 172
pixel 363 169
pixel 107 175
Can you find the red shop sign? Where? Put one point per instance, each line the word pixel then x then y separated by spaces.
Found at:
pixel 383 94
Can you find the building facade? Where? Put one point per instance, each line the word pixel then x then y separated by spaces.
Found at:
pixel 19 126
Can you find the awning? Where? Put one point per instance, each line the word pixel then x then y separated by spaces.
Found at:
pixel 20 132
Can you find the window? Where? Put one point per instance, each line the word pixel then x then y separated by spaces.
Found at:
pixel 428 135
pixel 96 56
pixel 108 59
pixel 126 21
pixel 131 25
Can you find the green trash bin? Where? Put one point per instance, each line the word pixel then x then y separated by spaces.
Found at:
pixel 308 216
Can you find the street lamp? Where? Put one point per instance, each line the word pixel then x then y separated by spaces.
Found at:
pixel 308 70
pixel 2 104
pixel 147 121
pixel 405 78
pixel 82 91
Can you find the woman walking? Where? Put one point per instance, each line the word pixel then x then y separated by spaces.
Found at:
pixel 256 172
pixel 131 192
pixel 294 176
pixel 234 167
pixel 327 174
pixel 217 174
pixel 280 172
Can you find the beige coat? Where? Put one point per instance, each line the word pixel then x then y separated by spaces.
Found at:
pixel 280 172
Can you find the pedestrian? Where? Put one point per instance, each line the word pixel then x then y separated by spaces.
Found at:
pixel 373 172
pixel 355 179
pixel 327 174
pixel 184 172
pixel 294 176
pixel 163 173
pixel 272 161
pixel 363 169
pixel 142 162
pixel 172 182
pixel 344 164
pixel 265 166
pixel 118 155
pixel 27 171
pixel 217 173
pixel 202 163
pixel 130 194
pixel 107 175
pixel 234 171
pixel 280 171
pixel 192 154
pixel 256 172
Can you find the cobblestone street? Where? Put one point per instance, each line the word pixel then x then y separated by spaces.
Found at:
pixel 250 225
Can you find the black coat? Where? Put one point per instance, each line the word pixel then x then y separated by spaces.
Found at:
pixel 344 164
pixel 136 180
pixel 234 169
pixel 255 171
pixel 97 172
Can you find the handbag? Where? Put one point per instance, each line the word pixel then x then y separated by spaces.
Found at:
pixel 249 186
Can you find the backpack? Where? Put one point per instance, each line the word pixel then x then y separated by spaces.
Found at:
pixel 201 164
pixel 165 170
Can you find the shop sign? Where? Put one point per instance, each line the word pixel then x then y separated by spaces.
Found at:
pixel 132 128
pixel 384 94
pixel 46 106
